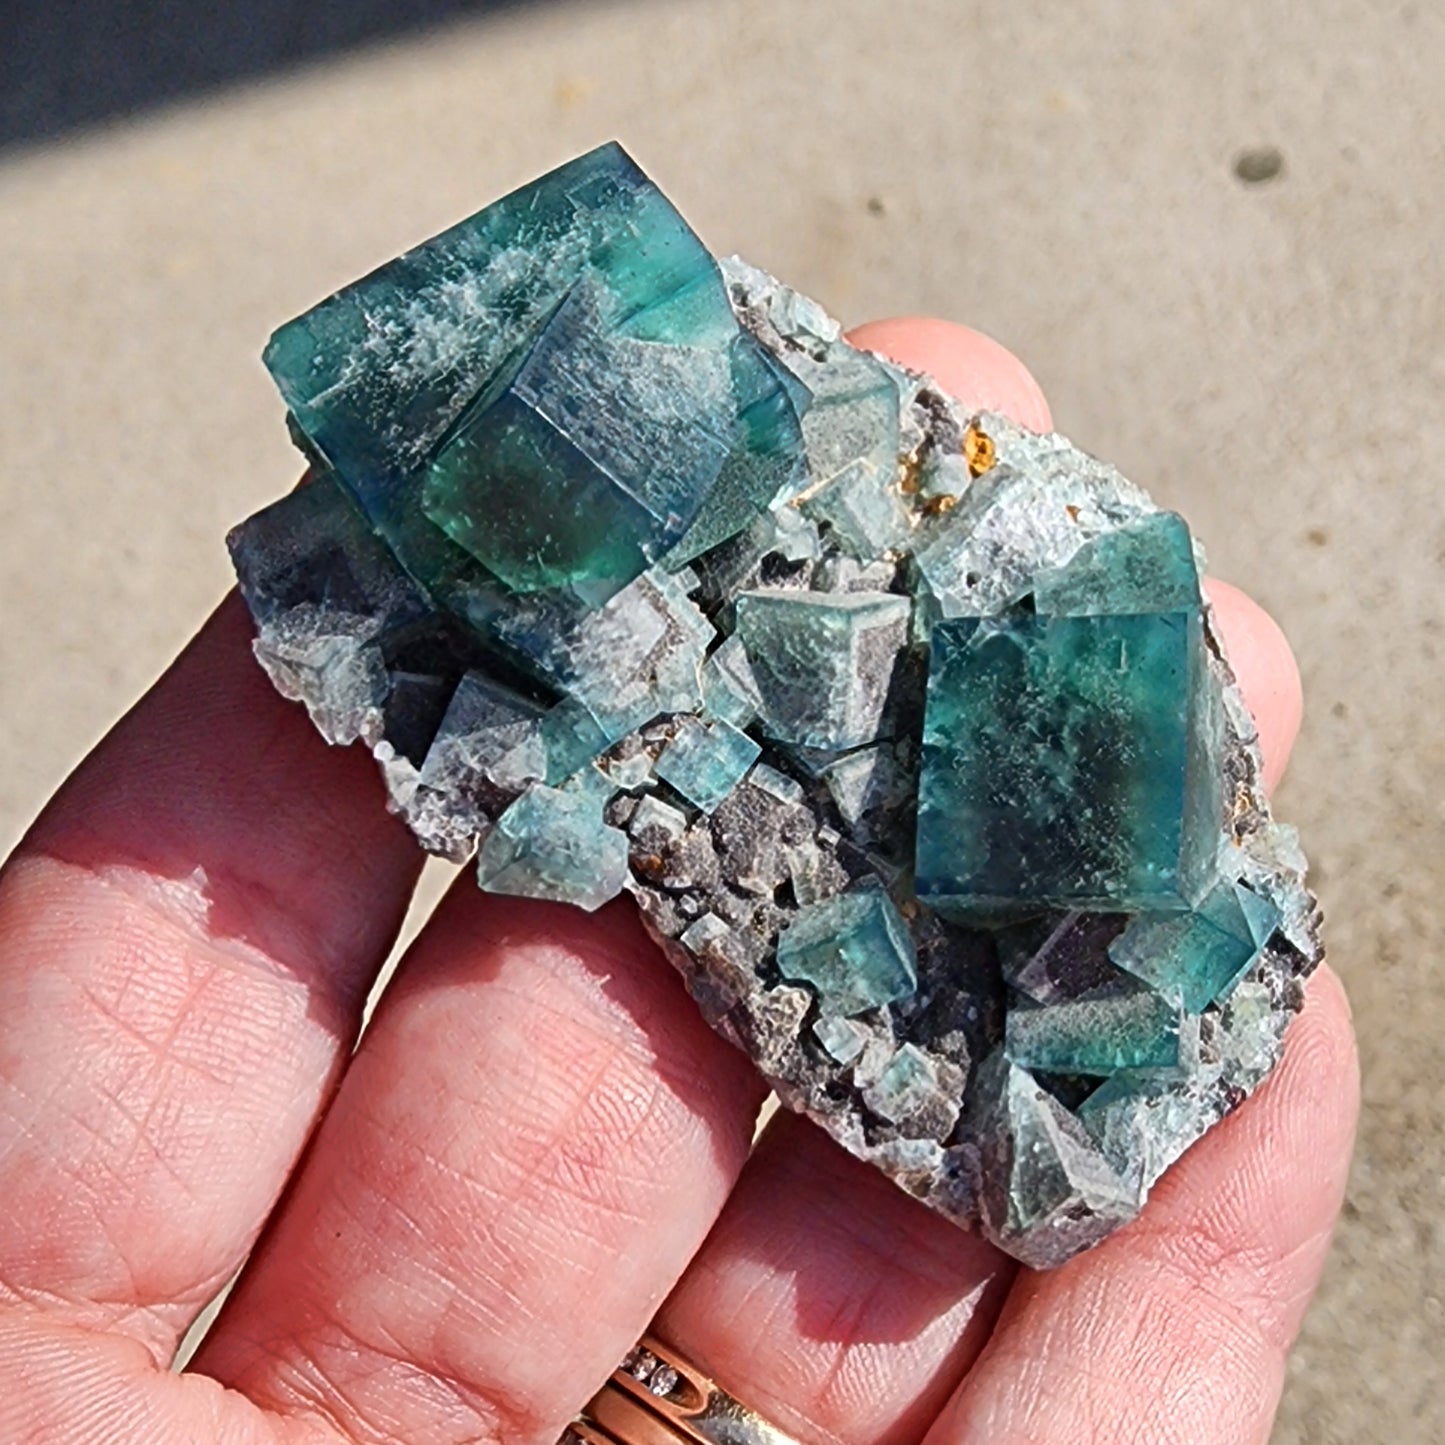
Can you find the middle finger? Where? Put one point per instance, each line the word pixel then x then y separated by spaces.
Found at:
pixel 533 1139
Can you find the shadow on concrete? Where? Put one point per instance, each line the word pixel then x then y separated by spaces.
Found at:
pixel 70 63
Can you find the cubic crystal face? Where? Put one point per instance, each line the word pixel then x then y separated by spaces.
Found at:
pixel 854 949
pixel 1137 1029
pixel 1055 751
pixel 907 729
pixel 822 662
pixel 1198 956
pixel 586 460
pixel 554 845
pixel 851 441
pixel 1060 738
pixel 1053 957
pixel 706 761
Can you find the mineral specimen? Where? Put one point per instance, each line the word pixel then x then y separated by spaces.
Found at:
pixel 907 729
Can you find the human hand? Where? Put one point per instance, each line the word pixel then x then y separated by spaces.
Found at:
pixel 539 1142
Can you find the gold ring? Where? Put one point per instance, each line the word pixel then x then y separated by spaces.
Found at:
pixel 655 1397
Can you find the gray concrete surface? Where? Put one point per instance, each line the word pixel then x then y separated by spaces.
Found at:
pixel 1268 357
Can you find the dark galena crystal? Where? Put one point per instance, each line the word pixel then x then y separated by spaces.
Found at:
pixel 907 729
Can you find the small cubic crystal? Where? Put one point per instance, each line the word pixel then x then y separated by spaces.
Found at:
pixel 822 662
pixel 706 761
pixel 554 845
pixel 1134 1029
pixel 855 949
pixel 1198 957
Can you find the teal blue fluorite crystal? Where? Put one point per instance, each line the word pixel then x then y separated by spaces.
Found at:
pixel 1198 956
pixel 904 1086
pixel 1058 740
pixel 822 662
pixel 551 389
pixel 706 761
pixel 624 661
pixel 1146 567
pixel 907 729
pixel 766 461
pixel 1126 1029
pixel 729 688
pixel 554 845
pixel 378 374
pixel 852 441
pixel 540 483
pixel 854 949
pixel 1044 1176
pixel 842 1038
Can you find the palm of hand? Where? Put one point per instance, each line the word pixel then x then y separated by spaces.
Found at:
pixel 539 1142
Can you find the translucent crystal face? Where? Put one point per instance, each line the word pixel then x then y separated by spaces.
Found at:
pixel 1055 751
pixel 706 761
pixel 552 389
pixel 590 455
pixel 854 949
pixel 822 662
pixel 905 727
pixel 1059 737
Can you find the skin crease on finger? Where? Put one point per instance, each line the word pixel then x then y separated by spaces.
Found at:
pixel 82 1386
pixel 187 934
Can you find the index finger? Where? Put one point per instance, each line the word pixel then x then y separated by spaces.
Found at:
pixel 187 935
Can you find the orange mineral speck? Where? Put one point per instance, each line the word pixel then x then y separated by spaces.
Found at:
pixel 978 451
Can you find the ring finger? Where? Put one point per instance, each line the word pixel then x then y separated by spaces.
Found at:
pixel 836 1305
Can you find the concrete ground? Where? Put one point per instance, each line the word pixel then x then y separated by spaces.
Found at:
pixel 1265 353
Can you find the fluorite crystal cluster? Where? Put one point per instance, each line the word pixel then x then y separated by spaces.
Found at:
pixel 907 729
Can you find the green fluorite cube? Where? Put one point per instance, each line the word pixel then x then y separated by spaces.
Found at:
pixel 842 1039
pixel 729 689
pixel 1199 956
pixel 855 949
pixel 1054 768
pixel 706 761
pixel 555 845
pixel 586 459
pixel 637 655
pixel 906 1082
pixel 378 373
pixel 571 739
pixel 1064 765
pixel 552 389
pixel 1046 1191
pixel 490 733
pixel 822 662
pixel 1133 1029
pixel 1145 567
pixel 851 435
pixel 767 458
